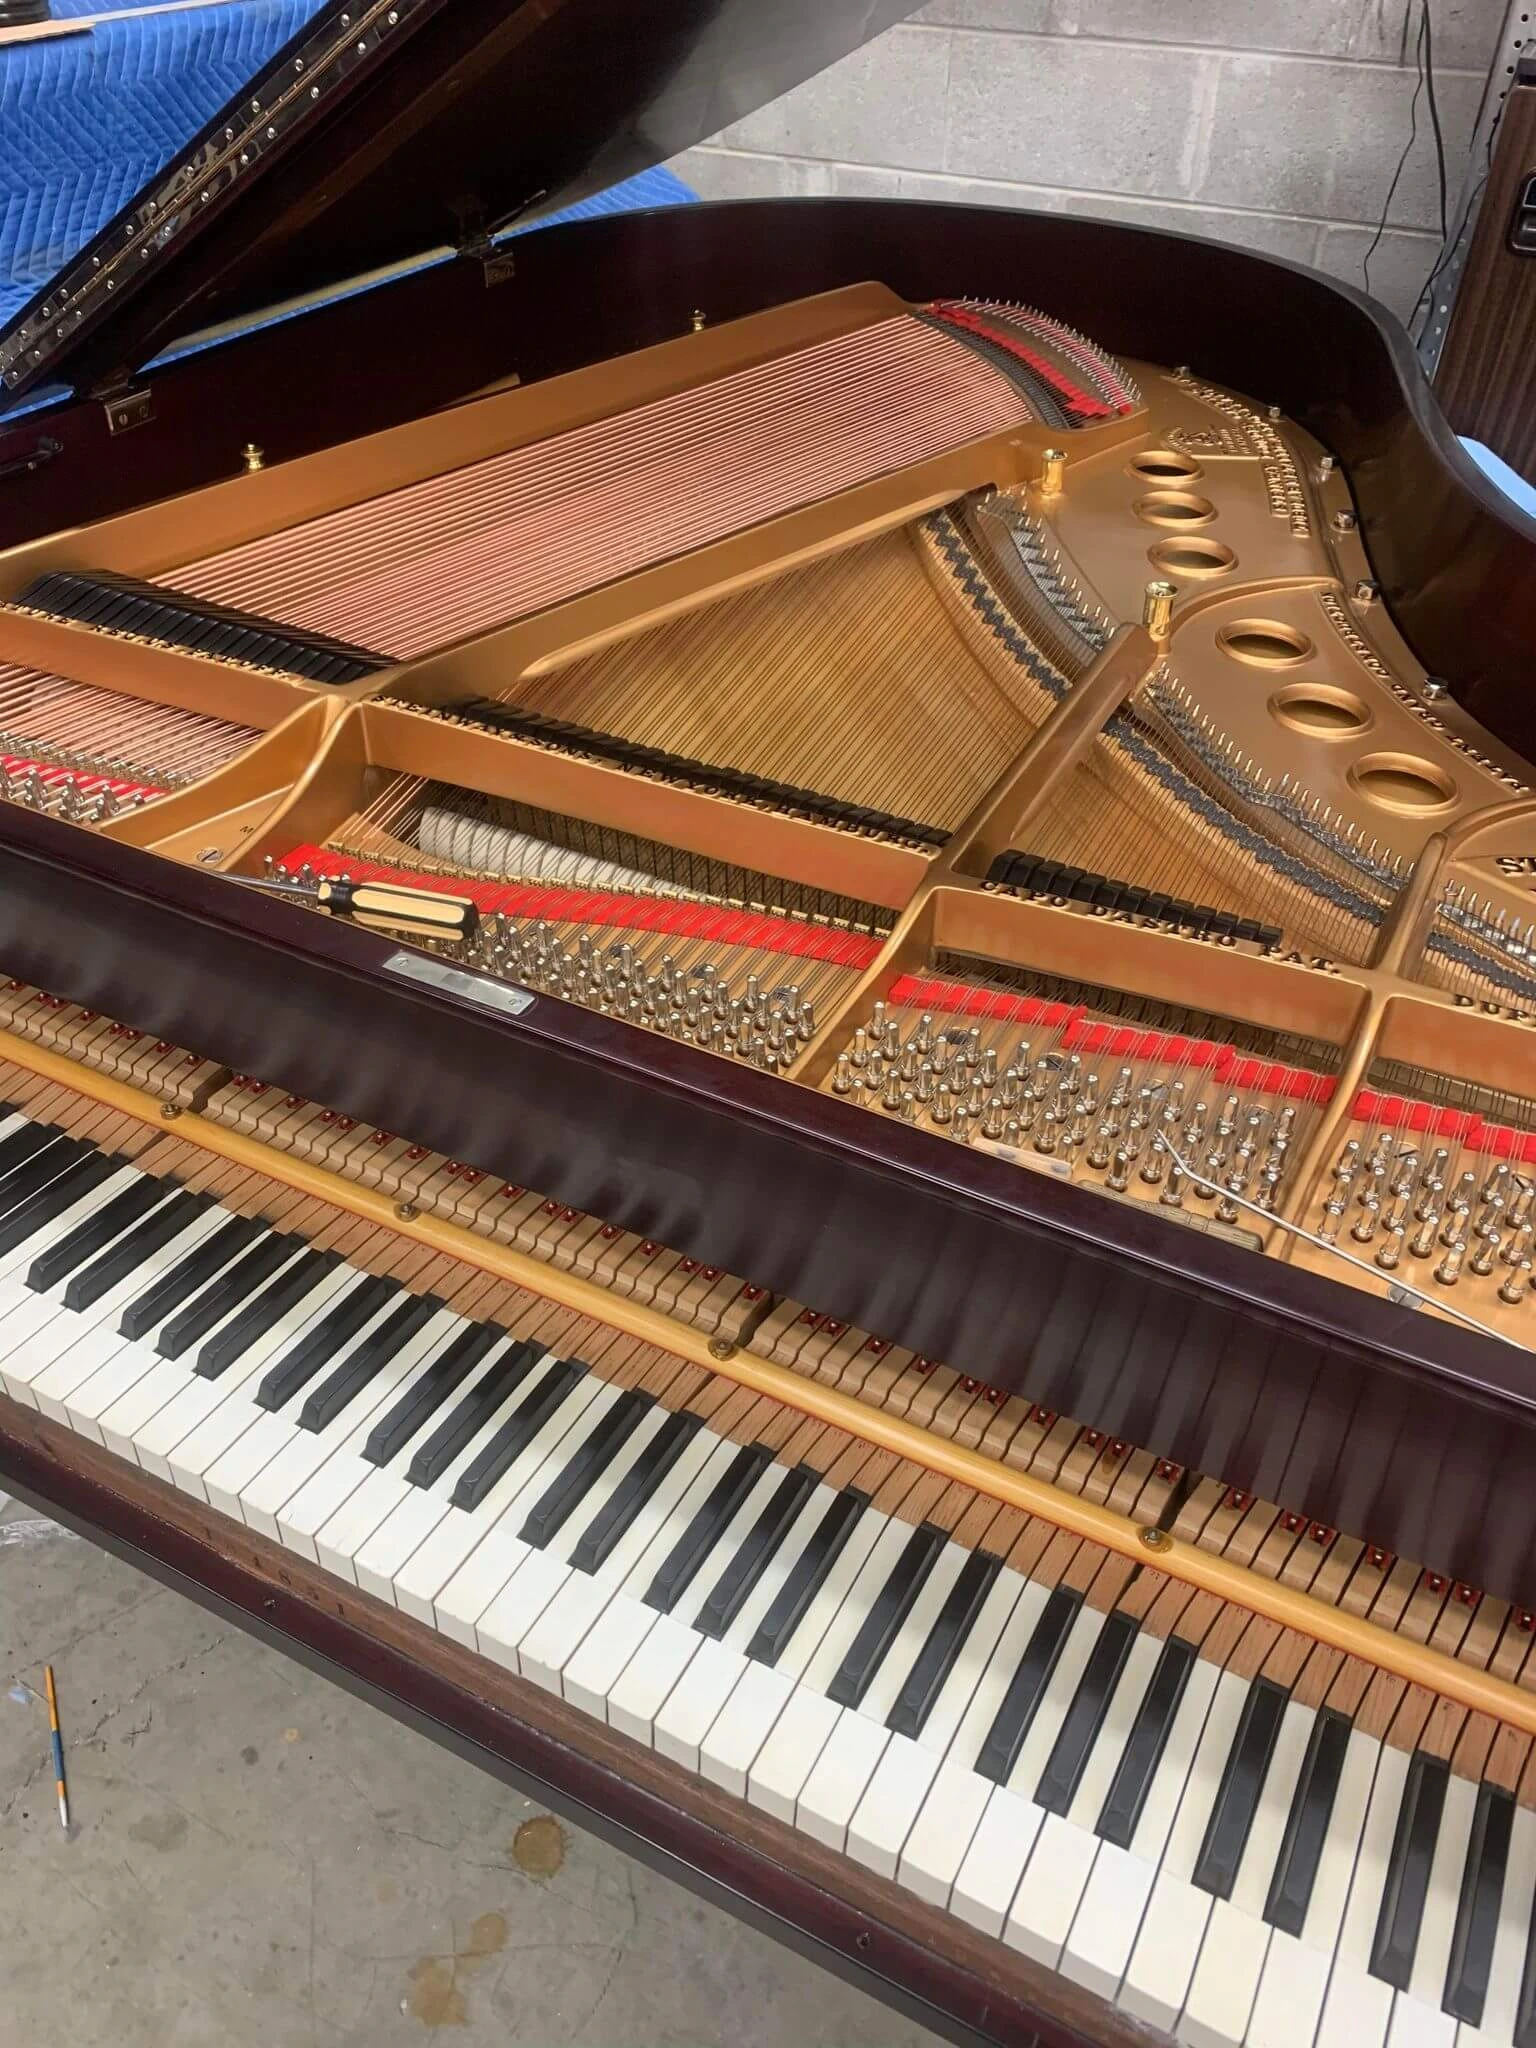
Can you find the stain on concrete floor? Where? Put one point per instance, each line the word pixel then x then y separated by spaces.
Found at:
pixel 223 1884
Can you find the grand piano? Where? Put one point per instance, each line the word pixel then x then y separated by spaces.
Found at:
pixel 767 1028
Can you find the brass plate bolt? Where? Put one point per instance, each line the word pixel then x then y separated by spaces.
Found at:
pixel 1154 1539
pixel 1053 473
pixel 1157 610
pixel 1324 467
pixel 721 1348
pixel 1365 592
pixel 207 855
pixel 697 317
pixel 1344 522
pixel 170 1111
pixel 253 457
pixel 406 1211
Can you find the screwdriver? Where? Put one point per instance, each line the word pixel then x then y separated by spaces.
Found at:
pixel 417 913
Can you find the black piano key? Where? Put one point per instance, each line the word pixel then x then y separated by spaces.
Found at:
pixel 1477 1910
pixel 787 1609
pixel 1242 1781
pixel 1085 1716
pixel 935 1660
pixel 93 1233
pixel 336 1327
pixel 260 1313
pixel 447 1372
pixel 23 1145
pixel 892 1605
pixel 369 1359
pixel 515 1434
pixel 586 1465
pixel 119 1261
pixel 232 1286
pixel 610 1525
pixel 1121 1812
pixel 1306 1826
pixel 1010 1724
pixel 1413 1852
pixel 40 1167
pixel 501 1378
pixel 31 1147
pixel 49 1202
pixel 706 1528
pixel 756 1551
pixel 167 1293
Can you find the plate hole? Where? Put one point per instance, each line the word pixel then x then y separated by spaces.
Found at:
pixel 1164 462
pixel 1320 711
pixel 1175 508
pixel 1264 642
pixel 1403 783
pixel 1192 557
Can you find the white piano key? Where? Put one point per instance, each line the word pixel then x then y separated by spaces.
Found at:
pixel 788 1757
pixel 839 1778
pixel 980 1710
pixel 743 1726
pixel 1292 1986
pixel 1417 2025
pixel 1114 1732
pixel 1226 1978
pixel 995 1861
pixel 1108 1919
pixel 1432 1956
pixel 1224 1988
pixel 895 1666
pixel 939 1838
pixel 891 1803
pixel 815 1624
pixel 1046 1902
pixel 968 1672
pixel 1496 2029
pixel 647 1680
pixel 696 1700
pixel 1358 2007
pixel 1294 1981
pixel 880 1560
pixel 1064 1856
pixel 1168 1943
pixel 1051 1709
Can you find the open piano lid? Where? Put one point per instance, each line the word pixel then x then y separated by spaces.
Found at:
pixel 388 129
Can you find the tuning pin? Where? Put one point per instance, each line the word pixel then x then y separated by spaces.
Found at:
pixel 1172 1196
pixel 994 1116
pixel 842 1075
pixel 1119 1177
pixel 1449 1269
pixel 1391 1251
pixel 943 1104
pixel 859 1054
pixel 1517 1285
pixel 1481 1261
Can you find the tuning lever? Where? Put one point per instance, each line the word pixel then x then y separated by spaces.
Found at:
pixel 381 906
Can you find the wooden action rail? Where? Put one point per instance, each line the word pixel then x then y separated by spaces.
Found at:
pixel 1173 1556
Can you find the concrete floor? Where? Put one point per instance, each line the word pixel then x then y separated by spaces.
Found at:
pixel 257 1858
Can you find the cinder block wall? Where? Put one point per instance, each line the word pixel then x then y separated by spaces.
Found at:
pixel 1273 123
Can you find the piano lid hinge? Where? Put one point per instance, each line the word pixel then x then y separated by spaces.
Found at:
pixel 126 405
pixel 494 258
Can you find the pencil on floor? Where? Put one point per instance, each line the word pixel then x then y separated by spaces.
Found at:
pixel 58 1749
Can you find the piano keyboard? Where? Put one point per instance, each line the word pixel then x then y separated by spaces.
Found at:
pixel 1232 1832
